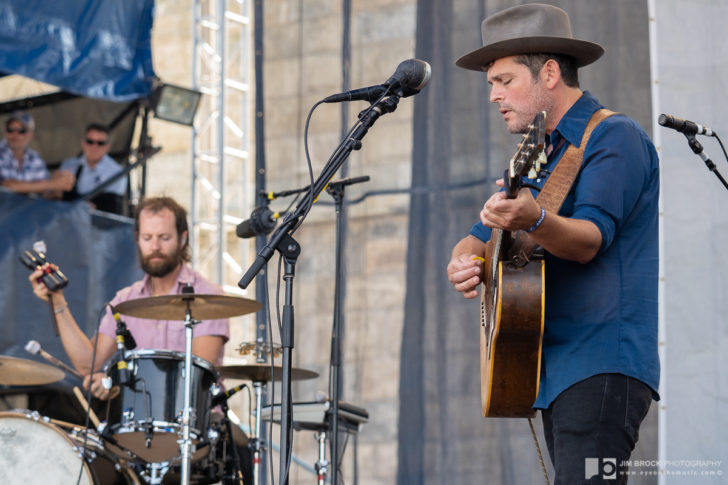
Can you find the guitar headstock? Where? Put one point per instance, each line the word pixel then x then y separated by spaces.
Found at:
pixel 528 152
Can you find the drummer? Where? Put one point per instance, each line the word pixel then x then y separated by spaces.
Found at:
pixel 161 233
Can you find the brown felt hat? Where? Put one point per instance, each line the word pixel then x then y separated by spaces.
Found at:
pixel 529 29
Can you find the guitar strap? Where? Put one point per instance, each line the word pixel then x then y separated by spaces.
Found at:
pixel 557 186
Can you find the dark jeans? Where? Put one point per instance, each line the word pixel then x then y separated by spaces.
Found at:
pixel 593 426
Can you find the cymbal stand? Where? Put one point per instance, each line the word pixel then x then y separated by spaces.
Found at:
pixel 337 190
pixel 282 241
pixel 322 465
pixel 257 442
pixel 185 443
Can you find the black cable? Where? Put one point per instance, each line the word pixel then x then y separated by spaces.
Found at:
pixel 327 172
pixel 721 146
pixel 309 194
pixel 289 451
pixel 269 329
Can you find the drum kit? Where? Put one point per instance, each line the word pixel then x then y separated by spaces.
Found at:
pixel 161 426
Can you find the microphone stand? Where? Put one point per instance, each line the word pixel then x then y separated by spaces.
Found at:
pixel 282 241
pixel 697 149
pixel 336 190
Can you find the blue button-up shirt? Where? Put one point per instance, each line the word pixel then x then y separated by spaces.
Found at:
pixel 601 317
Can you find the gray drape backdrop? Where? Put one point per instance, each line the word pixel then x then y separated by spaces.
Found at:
pixel 458 137
pixel 691 81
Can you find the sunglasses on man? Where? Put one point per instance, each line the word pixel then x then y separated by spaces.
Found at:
pixel 100 143
pixel 21 131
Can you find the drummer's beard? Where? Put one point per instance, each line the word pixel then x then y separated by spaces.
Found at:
pixel 162 267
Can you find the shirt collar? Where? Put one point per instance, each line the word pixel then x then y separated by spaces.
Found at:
pixel 572 125
pixel 185 276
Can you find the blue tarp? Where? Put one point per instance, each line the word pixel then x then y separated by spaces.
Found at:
pixel 96 252
pixel 94 48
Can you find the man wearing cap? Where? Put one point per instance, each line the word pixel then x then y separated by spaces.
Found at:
pixel 22 170
pixel 600 368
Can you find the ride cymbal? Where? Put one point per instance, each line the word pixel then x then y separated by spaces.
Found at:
pixel 262 372
pixel 174 307
pixel 25 372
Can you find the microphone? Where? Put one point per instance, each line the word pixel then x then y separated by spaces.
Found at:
pixel 33 347
pixel 262 221
pixel 684 126
pixel 122 330
pixel 223 396
pixel 410 77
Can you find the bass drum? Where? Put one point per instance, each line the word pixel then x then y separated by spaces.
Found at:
pixel 34 451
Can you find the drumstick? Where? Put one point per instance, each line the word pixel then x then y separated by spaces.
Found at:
pixel 33 347
pixel 84 404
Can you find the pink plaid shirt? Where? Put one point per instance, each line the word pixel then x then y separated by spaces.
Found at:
pixel 165 334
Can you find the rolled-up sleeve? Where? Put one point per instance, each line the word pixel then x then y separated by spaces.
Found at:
pixel 613 176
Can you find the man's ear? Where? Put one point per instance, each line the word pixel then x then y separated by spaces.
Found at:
pixel 183 238
pixel 550 73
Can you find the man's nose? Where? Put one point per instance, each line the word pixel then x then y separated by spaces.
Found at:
pixel 495 95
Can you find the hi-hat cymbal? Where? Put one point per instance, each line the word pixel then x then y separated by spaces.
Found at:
pixel 25 372
pixel 174 307
pixel 262 373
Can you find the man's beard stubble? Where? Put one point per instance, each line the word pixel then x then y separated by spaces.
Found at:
pixel 160 269
pixel 539 101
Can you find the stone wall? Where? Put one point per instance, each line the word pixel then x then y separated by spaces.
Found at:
pixel 303 64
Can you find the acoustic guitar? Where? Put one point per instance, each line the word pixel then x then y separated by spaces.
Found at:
pixel 512 302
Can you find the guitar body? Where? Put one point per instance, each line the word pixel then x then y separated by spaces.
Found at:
pixel 513 301
pixel 512 322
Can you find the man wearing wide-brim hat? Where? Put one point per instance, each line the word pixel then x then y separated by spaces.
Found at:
pixel 599 365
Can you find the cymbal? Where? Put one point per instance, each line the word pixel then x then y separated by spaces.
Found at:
pixel 25 372
pixel 202 307
pixel 261 372
pixel 253 348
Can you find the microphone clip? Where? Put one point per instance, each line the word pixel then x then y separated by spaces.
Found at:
pixel 124 341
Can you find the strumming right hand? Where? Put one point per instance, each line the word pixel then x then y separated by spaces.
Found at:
pixel 464 273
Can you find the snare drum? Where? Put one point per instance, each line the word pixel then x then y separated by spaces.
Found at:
pixel 35 451
pixel 146 416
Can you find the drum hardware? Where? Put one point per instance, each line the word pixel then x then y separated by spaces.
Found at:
pixel 146 417
pixel 322 465
pixel 182 307
pixel 260 374
pixel 55 452
pixel 24 372
pixel 260 350
pixel 222 401
pixel 317 416
pixel 258 444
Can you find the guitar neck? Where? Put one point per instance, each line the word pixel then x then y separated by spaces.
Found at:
pixel 512 184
